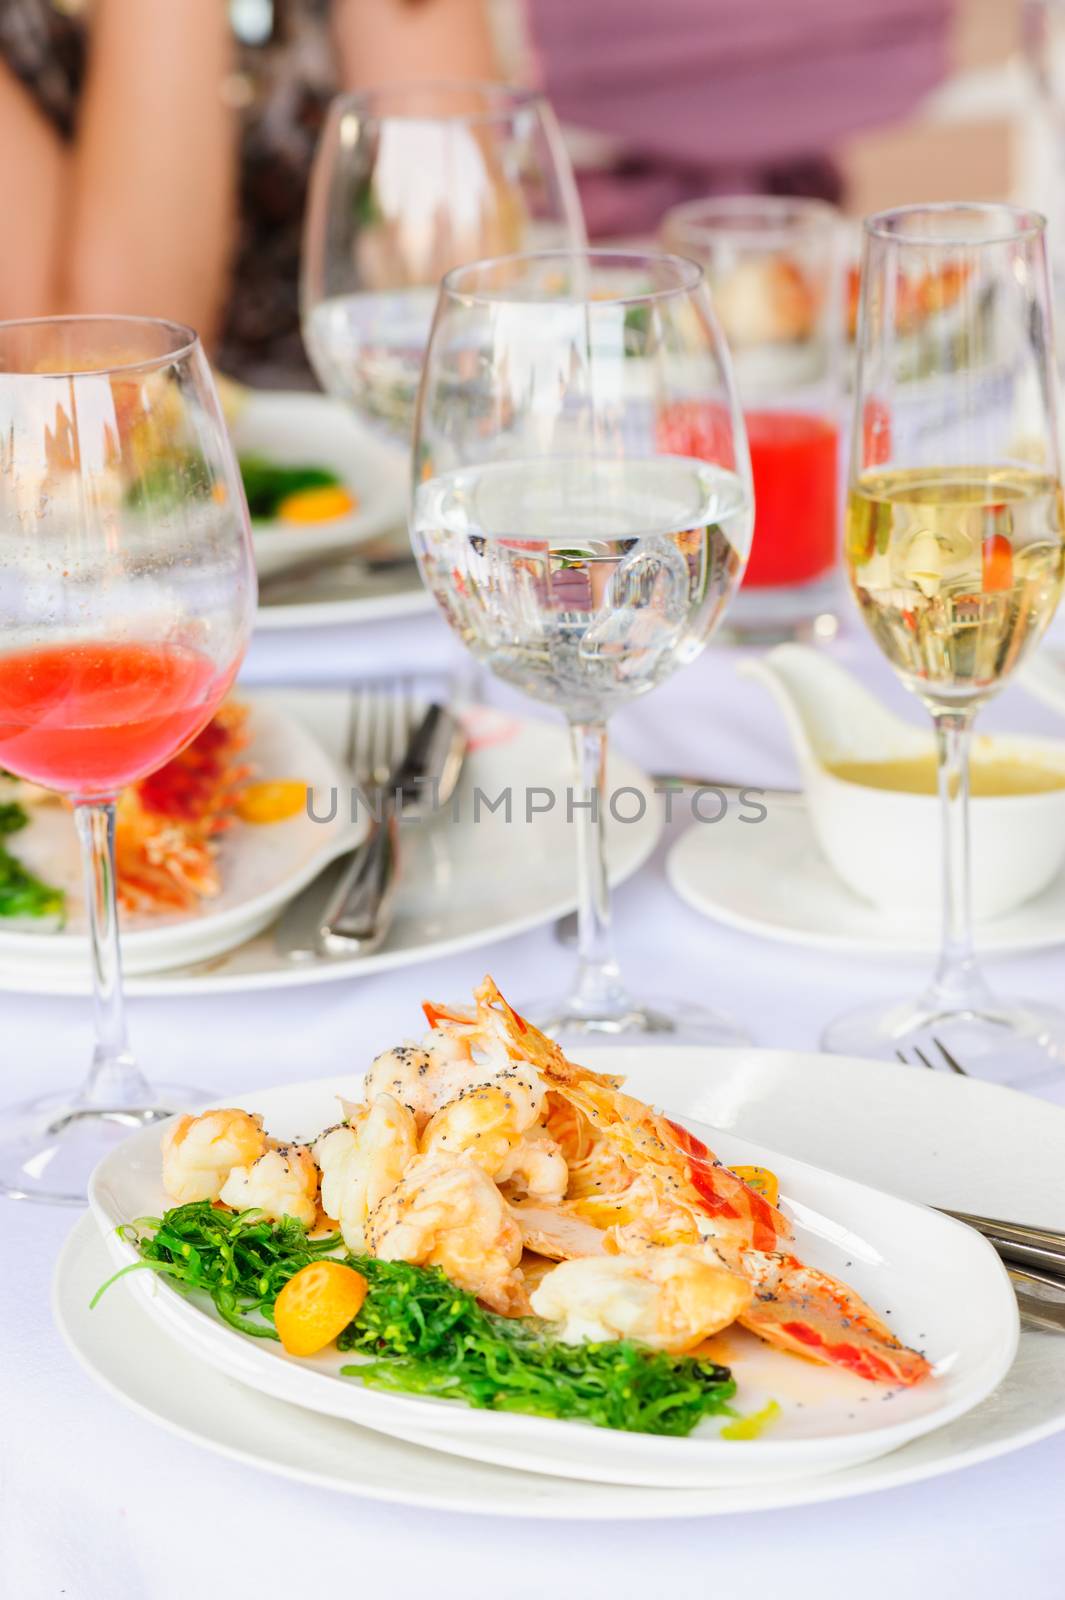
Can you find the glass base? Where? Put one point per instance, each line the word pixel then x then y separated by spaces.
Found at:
pixel 50 1146
pixel 806 613
pixel 665 1021
pixel 1020 1043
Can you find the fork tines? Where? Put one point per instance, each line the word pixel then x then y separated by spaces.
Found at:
pixel 949 1060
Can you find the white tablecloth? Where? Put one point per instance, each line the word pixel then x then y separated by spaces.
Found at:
pixel 96 1504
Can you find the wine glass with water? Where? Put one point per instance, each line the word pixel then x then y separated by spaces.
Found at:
pixel 575 553
pixel 408 182
pixel 955 548
pixel 127 593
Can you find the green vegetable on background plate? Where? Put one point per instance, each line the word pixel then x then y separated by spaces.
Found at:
pixel 22 894
pixel 267 484
pixel 423 1335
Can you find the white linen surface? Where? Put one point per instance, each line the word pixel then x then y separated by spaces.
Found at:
pixel 96 1504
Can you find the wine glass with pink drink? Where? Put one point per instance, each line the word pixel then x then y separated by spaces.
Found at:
pixel 127 593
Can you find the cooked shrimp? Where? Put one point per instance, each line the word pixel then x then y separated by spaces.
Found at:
pixel 422 1077
pixel 796 1307
pixel 362 1161
pixel 668 1297
pixel 446 1212
pixel 534 1169
pixel 485 1121
pixel 200 1152
pixel 554 1231
pixel 281 1183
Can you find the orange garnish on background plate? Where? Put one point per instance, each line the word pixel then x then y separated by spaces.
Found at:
pixel 274 800
pixel 323 504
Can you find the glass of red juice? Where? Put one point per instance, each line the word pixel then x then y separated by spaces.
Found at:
pixel 127 593
pixel 775 266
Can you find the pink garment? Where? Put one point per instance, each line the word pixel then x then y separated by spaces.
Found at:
pixel 705 95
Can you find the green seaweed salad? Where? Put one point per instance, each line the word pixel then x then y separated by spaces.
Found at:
pixel 424 1336
pixel 22 894
pixel 268 483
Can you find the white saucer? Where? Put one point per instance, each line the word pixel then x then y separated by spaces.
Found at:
pixel 928 1136
pixel 770 878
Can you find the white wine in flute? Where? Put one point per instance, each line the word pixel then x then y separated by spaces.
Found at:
pixel 957 571
pixel 584 582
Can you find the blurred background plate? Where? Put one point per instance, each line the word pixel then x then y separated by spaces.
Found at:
pixel 261 868
pixel 464 883
pixel 292 428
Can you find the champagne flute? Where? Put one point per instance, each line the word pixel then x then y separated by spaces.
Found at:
pixel 409 181
pixel 574 550
pixel 955 548
pixel 127 593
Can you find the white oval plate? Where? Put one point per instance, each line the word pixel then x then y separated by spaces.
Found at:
pixel 463 884
pixel 261 867
pixel 770 878
pixel 294 428
pixel 926 1135
pixel 941 1286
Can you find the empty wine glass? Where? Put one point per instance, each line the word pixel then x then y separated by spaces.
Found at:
pixel 573 549
pixel 408 182
pixel 127 593
pixel 955 547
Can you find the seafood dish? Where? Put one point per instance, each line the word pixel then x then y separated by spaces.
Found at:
pixel 492 1222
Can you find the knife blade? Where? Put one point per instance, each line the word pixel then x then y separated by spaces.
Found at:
pixel 347 910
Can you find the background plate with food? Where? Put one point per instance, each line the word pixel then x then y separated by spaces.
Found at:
pixel 208 850
pixel 470 876
pixel 317 482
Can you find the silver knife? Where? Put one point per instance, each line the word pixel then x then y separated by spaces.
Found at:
pixel 347 910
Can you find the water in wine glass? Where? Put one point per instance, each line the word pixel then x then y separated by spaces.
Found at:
pixel 957 571
pixel 584 582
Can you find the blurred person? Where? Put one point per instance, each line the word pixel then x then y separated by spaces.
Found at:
pixel 686 98
pixel 154 154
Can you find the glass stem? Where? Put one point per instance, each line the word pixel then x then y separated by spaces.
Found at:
pixel 598 991
pixel 115 1082
pixel 957 984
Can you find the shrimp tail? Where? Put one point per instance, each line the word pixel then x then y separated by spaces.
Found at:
pixel 805 1311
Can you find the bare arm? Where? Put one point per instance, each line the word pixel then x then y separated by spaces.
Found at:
pixel 137 216
pixel 394 41
pixel 31 197
pixel 149 223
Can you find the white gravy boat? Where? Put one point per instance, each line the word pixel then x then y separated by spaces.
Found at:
pixel 886 845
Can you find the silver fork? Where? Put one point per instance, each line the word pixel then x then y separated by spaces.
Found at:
pixel 950 1061
pixel 381 721
pixel 381 718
